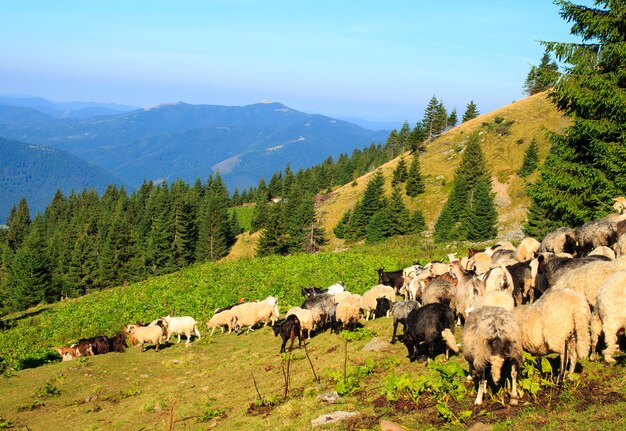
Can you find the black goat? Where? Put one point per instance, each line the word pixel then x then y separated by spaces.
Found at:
pixel 288 330
pixel 394 279
pixel 431 323
pixel 383 305
pixel 312 291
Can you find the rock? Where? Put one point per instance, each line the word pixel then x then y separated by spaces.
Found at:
pixel 390 426
pixel 331 418
pixel 328 397
pixel 479 426
pixel 375 345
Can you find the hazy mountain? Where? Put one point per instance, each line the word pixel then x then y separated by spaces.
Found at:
pixel 36 173
pixel 64 109
pixel 190 141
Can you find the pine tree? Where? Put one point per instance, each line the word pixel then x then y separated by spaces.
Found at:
pixel 471 111
pixel 458 219
pixel 483 217
pixel 404 136
pixel 18 222
pixel 340 229
pixel 159 249
pixel 531 159
pixel 584 168
pixel 415 181
pixel 373 200
pixel 400 173
pixel 273 236
pixel 453 118
pixel 418 137
pixel 214 234
pixel 542 77
pixel 398 224
pixel 417 224
pixel 379 226
pixel 432 117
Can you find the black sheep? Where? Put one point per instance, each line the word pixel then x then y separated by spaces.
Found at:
pixel 429 324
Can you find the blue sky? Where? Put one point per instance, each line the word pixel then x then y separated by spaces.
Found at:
pixel 379 60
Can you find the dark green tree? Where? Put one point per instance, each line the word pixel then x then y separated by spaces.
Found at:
pixel 372 201
pixel 340 229
pixel 159 248
pixel 273 239
pixel 455 220
pixel 531 159
pixel 542 77
pixel 18 222
pixel 453 118
pixel 415 181
pixel 399 222
pixel 584 168
pixel 400 173
pixel 379 226
pixel 418 137
pixel 417 224
pixel 214 235
pixel 471 111
pixel 483 217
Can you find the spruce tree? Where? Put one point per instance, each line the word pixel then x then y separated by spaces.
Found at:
pixel 483 217
pixel 373 200
pixel 214 235
pixel 379 226
pixel 453 118
pixel 400 173
pixel 273 239
pixel 471 111
pixel 584 169
pixel 18 222
pixel 418 137
pixel 340 229
pixel 432 117
pixel 399 222
pixel 542 77
pixel 531 159
pixel 417 224
pixel 415 181
pixel 471 177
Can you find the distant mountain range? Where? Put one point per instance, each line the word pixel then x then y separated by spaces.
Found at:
pixel 36 173
pixel 243 143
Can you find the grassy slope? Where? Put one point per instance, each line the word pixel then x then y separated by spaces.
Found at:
pixel 532 117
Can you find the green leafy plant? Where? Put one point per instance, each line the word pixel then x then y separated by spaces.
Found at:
pixel 210 413
pixel 351 382
pixel 532 380
pixel 47 390
pixel 30 406
pixel 358 334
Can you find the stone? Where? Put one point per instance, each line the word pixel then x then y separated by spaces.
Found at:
pixel 390 426
pixel 375 345
pixel 328 397
pixel 331 418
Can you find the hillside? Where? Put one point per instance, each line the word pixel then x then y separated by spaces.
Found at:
pixel 192 141
pixel 504 150
pixel 36 173
pixel 236 382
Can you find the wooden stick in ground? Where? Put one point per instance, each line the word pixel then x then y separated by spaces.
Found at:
pixel 317 379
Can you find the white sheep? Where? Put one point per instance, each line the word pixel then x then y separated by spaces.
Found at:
pixel 307 321
pixel 558 322
pixel 252 313
pixel 526 249
pixel 340 296
pixel 221 319
pixel 368 300
pixel 603 250
pixel 620 246
pixel 610 313
pixel 491 335
pixel 336 288
pixel 587 279
pixel 479 263
pixel 146 334
pixel 181 325
pixel 348 310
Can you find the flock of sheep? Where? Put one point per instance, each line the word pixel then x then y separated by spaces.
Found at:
pixel 554 296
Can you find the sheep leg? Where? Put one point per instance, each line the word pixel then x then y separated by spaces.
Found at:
pixel 158 345
pixel 197 332
pixel 573 357
pixel 213 330
pixel 470 375
pixel 610 339
pixel 563 357
pixel 482 386
pixel 514 396
pixel 596 330
pixel 395 327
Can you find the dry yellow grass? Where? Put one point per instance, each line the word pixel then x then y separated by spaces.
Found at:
pixel 532 117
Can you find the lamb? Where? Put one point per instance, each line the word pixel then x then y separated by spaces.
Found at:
pixel 558 322
pixel 368 300
pixel 181 325
pixel 587 279
pixel 221 319
pixel 399 311
pixel 610 314
pixel 492 336
pixel 526 249
pixel 307 323
pixel 430 323
pixel 146 334
pixel 252 313
pixel 468 286
pixel 347 312
pixel 561 240
pixel 289 329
